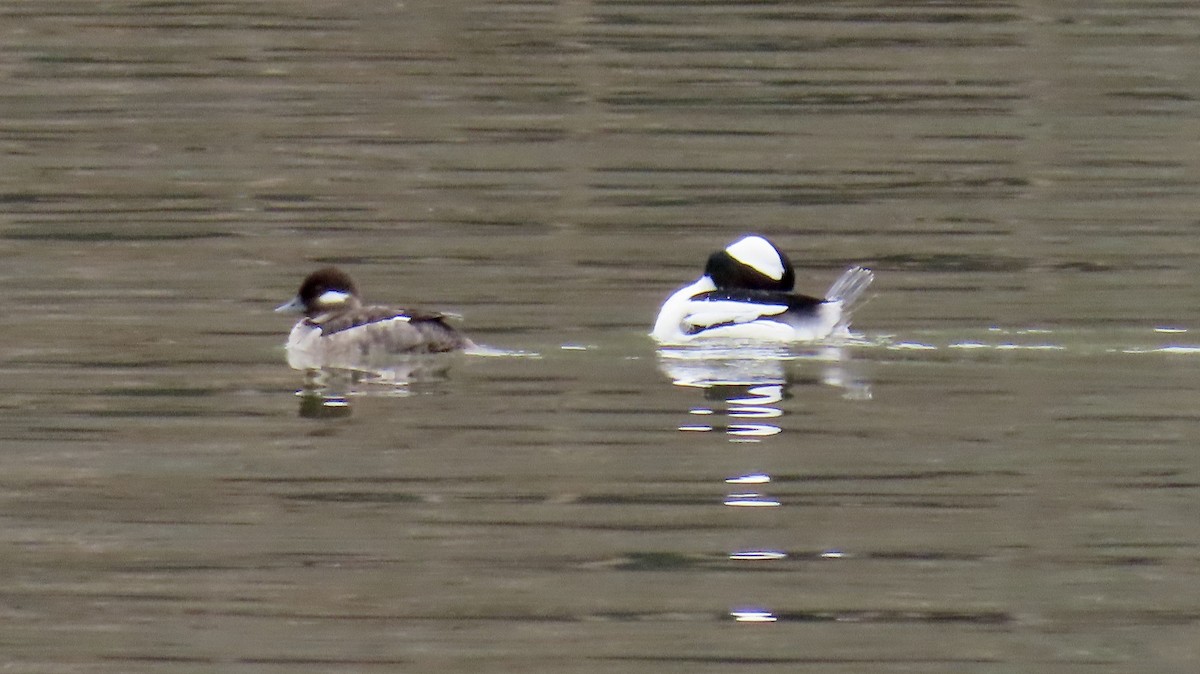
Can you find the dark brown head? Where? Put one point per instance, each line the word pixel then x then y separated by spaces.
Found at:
pixel 324 290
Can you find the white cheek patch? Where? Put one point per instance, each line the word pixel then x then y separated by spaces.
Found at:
pixel 332 297
pixel 758 253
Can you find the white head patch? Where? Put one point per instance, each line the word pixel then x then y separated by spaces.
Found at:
pixel 758 253
pixel 332 297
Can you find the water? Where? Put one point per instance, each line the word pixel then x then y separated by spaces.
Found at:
pixel 998 475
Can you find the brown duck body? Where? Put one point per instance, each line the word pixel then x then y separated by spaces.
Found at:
pixel 339 331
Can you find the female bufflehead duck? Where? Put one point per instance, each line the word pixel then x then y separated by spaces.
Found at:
pixel 746 294
pixel 338 331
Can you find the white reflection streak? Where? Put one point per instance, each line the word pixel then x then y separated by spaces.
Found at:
pixel 753 616
pixel 760 395
pixel 1007 346
pixel 912 346
pixel 753 430
pixel 749 478
pixel 755 412
pixel 757 555
pixel 1177 349
pixel 750 500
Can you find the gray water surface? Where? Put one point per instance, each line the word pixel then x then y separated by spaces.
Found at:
pixel 999 474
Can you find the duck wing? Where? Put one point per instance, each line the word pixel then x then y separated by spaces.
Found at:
pixel 732 307
pixel 386 330
pixel 334 323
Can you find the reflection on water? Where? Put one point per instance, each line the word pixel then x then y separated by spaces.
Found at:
pixel 328 391
pixel 752 478
pixel 750 384
pixel 757 555
pixel 750 381
pixel 753 615
pixel 996 340
pixel 751 499
pixel 323 405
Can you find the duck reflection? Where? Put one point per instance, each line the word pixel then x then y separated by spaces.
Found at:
pixel 743 388
pixel 328 391
pixel 748 384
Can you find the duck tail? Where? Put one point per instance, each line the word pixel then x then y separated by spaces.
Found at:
pixel 850 286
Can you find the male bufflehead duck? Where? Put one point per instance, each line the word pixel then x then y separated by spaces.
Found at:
pixel 746 294
pixel 338 331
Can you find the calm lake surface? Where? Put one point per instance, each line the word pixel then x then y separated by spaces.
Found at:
pixel 1000 474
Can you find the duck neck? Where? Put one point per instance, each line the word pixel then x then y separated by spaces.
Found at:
pixel 675 309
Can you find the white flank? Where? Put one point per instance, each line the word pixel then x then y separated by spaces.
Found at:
pixel 704 314
pixel 757 252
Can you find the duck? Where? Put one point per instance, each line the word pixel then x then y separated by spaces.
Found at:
pixel 746 294
pixel 338 330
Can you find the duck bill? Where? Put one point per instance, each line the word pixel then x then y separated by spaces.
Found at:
pixel 292 306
